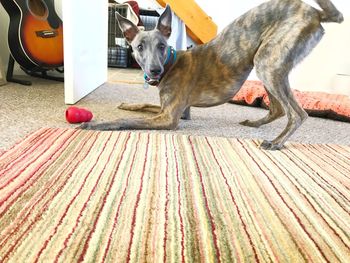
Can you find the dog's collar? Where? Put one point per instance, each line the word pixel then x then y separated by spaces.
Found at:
pixel 170 60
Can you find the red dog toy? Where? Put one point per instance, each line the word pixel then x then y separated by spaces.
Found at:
pixel 77 115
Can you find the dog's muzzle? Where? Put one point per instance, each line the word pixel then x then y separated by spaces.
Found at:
pixel 170 60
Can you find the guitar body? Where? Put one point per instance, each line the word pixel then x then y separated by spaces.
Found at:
pixel 35 34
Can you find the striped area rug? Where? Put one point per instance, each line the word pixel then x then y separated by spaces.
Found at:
pixel 69 195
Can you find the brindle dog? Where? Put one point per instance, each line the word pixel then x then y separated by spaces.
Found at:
pixel 273 37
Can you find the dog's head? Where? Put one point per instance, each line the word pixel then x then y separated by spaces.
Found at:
pixel 149 47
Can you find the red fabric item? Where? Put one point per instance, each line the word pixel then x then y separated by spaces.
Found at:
pixel 318 104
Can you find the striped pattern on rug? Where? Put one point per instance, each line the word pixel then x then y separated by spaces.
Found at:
pixel 70 195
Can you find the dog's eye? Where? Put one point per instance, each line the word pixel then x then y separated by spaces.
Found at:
pixel 140 47
pixel 161 47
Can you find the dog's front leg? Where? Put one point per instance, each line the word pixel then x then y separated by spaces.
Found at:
pixel 145 107
pixel 140 107
pixel 159 122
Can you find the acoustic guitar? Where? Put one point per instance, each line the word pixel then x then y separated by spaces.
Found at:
pixel 35 34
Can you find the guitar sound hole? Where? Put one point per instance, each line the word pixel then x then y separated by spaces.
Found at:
pixel 38 8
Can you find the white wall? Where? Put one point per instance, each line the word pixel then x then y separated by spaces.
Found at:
pixel 322 68
pixel 85 47
pixel 225 11
pixel 4 24
pixel 4 21
pixel 319 71
pixel 327 68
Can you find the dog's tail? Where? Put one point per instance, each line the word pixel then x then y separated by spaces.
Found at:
pixel 329 12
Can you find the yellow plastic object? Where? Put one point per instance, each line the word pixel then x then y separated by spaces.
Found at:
pixel 200 27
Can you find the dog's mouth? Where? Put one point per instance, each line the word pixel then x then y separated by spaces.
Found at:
pixel 152 79
pixel 155 78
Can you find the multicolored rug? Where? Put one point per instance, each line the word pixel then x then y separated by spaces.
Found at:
pixel 70 195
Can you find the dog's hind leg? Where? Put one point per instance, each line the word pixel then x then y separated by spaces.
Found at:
pixel 186 115
pixel 280 90
pixel 295 104
pixel 275 58
pixel 277 84
pixel 295 114
pixel 275 111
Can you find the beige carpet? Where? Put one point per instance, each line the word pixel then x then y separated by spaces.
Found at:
pixel 69 195
pixel 25 109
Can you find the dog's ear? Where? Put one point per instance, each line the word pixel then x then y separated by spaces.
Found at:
pixel 164 22
pixel 128 28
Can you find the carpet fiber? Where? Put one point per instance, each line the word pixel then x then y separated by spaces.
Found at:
pixel 69 195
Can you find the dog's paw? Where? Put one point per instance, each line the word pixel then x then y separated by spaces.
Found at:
pixel 123 106
pixel 128 107
pixel 186 116
pixel 268 145
pixel 101 126
pixel 91 126
pixel 83 126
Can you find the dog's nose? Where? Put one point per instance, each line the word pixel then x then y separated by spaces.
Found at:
pixel 155 71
